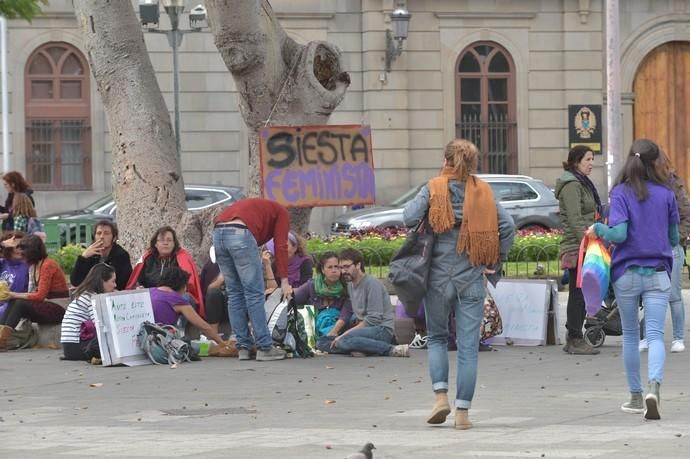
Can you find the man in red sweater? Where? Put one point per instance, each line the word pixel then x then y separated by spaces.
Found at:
pixel 239 232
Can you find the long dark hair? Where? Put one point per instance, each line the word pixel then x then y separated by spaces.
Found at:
pixel 93 282
pixel 642 165
pixel 33 249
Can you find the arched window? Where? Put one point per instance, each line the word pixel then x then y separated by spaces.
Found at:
pixel 485 105
pixel 58 134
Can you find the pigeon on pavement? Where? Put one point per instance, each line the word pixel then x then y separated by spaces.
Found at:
pixel 364 453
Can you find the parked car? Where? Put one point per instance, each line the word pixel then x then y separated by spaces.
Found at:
pixel 528 200
pixel 197 196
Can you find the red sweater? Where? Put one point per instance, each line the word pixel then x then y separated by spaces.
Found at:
pixel 51 280
pixel 266 220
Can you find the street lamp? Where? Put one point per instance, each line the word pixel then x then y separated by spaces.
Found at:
pixel 149 12
pixel 401 21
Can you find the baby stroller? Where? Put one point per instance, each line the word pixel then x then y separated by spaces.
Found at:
pixel 606 322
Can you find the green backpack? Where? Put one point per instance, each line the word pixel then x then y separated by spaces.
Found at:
pixel 163 344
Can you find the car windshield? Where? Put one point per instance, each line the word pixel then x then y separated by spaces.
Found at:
pixel 402 200
pixel 96 205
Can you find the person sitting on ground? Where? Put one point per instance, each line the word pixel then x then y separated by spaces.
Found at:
pixel 165 252
pixel 104 249
pixel 300 264
pixel 13 270
pixel 46 281
pixel 14 183
pixel 168 302
pixel 24 215
pixel 371 304
pixel 328 294
pixel 102 278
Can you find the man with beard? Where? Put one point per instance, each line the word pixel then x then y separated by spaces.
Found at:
pixel 103 250
pixel 371 304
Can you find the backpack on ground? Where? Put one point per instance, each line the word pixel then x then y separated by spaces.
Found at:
pixel 285 329
pixel 163 344
pixel 24 336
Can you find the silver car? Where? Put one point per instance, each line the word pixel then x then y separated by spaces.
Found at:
pixel 528 200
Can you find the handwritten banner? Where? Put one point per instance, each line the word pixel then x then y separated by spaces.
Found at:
pixel 119 316
pixel 307 166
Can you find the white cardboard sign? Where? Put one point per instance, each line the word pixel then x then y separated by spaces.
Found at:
pixel 119 316
pixel 525 307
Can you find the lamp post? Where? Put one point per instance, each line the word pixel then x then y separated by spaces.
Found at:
pixel 401 21
pixel 149 13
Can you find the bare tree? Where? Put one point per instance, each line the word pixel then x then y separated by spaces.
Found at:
pixel 280 82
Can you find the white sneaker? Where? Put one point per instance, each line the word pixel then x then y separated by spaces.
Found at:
pixel 643 345
pixel 419 342
pixel 677 346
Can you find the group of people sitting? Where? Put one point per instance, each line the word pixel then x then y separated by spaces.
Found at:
pixel 343 295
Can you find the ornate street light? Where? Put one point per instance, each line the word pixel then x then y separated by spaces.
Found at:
pixel 401 21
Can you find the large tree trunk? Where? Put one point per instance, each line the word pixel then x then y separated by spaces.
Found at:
pixel 280 82
pixel 149 189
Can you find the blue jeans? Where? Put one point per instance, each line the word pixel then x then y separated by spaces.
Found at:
pixel 654 290
pixel 469 310
pixel 374 340
pixel 239 261
pixel 676 299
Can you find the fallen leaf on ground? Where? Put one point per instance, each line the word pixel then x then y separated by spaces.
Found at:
pixel 328 367
pixel 329 402
pixel 97 384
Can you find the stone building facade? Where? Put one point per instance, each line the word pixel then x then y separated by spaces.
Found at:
pixel 502 72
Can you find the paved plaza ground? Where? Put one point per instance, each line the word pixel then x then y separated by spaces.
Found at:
pixel 530 402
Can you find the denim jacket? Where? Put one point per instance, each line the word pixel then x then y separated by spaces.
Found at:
pixel 416 208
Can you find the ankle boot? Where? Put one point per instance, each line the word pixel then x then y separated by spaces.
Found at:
pixel 652 401
pixel 462 420
pixel 440 410
pixel 5 333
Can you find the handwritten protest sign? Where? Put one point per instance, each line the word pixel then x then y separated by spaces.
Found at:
pixel 305 166
pixel 118 318
pixel 529 311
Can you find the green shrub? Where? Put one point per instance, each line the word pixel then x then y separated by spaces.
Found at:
pixel 67 256
pixel 377 250
pixel 535 247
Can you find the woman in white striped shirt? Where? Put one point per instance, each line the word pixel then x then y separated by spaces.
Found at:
pixel 100 279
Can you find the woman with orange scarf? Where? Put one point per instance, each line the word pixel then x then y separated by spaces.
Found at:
pixel 473 234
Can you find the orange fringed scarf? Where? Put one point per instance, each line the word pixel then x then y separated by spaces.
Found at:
pixel 478 237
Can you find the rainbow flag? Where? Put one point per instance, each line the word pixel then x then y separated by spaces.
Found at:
pixel 594 273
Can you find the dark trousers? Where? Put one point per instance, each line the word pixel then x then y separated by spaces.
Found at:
pixel 41 312
pixel 216 306
pixel 81 351
pixel 576 307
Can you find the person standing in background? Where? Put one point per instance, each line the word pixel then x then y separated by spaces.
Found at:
pixel 580 206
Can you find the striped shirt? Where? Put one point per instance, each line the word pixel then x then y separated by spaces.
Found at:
pixel 78 311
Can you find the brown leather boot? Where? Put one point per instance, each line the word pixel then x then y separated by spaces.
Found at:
pixel 441 408
pixel 5 333
pixel 462 420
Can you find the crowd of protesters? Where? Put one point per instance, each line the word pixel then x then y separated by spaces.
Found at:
pixel 254 252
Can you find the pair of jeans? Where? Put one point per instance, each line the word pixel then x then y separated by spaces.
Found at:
pixel 239 260
pixel 676 298
pixel 654 290
pixel 576 306
pixel 468 306
pixel 374 340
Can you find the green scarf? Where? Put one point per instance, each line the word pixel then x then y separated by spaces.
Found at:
pixel 327 291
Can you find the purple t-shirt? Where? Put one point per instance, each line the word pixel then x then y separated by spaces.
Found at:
pixel 16 274
pixel 163 302
pixel 647 244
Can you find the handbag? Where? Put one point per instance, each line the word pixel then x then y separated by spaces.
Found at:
pixel 593 273
pixel 492 324
pixel 409 267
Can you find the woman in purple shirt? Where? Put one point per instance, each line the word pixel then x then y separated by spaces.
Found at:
pixel 643 225
pixel 13 269
pixel 169 303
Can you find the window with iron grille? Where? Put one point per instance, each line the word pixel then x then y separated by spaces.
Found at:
pixel 58 131
pixel 485 105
